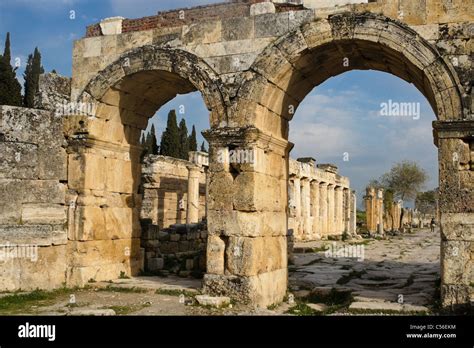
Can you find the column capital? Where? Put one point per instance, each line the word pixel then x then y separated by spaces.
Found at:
pixel 244 137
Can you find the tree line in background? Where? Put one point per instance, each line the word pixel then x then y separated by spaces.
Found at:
pixel 175 140
pixel 10 88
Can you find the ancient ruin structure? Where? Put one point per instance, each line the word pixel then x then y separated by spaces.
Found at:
pixel 253 62
pixel 321 202
pixel 380 218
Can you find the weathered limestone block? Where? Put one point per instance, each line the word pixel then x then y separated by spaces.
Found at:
pixel 204 32
pixel 47 271
pixel 40 127
pixel 43 213
pixel 238 28
pixel 253 256
pixel 271 25
pixel 54 92
pixel 40 235
pixel 262 8
pixel 215 255
pixel 19 160
pixel 456 261
pixel 111 25
pixel 262 290
pixel 457 226
pixel 103 252
pixel 258 192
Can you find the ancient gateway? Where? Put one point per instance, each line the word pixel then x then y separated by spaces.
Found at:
pixel 71 184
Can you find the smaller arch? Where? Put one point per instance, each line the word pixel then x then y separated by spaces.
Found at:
pixel 158 75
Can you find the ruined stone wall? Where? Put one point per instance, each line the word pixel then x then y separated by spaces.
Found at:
pixel 165 191
pixel 179 249
pixel 33 220
pixel 319 201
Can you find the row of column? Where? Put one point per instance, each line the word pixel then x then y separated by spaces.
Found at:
pixel 321 209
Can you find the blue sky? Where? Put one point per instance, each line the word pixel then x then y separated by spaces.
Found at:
pixel 340 116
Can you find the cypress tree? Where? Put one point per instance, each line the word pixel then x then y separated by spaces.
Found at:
pixel 153 146
pixel 203 147
pixel 10 88
pixel 7 54
pixel 183 140
pixel 32 72
pixel 169 145
pixel 192 140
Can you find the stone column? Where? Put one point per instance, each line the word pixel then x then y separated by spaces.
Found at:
pixel 380 229
pixel 369 209
pixel 297 199
pixel 347 210
pixel 455 142
pixel 247 221
pixel 331 210
pixel 353 217
pixel 315 210
pixel 323 208
pixel 338 210
pixel 306 209
pixel 192 211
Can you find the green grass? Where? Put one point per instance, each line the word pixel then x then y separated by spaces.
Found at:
pixel 362 242
pixel 123 289
pixel 319 249
pixel 23 303
pixel 386 312
pixel 302 309
pixel 335 300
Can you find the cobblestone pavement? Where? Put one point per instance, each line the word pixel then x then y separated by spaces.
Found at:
pixel 398 274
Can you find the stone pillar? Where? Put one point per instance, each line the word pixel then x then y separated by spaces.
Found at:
pixel 370 212
pixel 247 221
pixel 347 211
pixel 315 201
pixel 298 210
pixel 380 229
pixel 455 142
pixel 353 217
pixel 338 210
pixel 323 208
pixel 331 211
pixel 192 211
pixel 306 209
pixel 111 166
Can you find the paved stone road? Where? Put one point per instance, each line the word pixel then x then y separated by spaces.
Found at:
pixel 398 274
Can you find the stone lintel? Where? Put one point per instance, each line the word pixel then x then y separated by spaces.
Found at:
pixel 244 137
pixel 328 167
pixel 453 129
pixel 309 160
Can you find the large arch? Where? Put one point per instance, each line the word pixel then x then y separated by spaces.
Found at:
pixel 249 214
pixel 288 69
pixel 104 170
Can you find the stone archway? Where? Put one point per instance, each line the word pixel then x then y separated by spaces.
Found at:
pixel 247 219
pixel 104 154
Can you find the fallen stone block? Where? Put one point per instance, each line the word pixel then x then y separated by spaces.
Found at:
pixel 219 302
